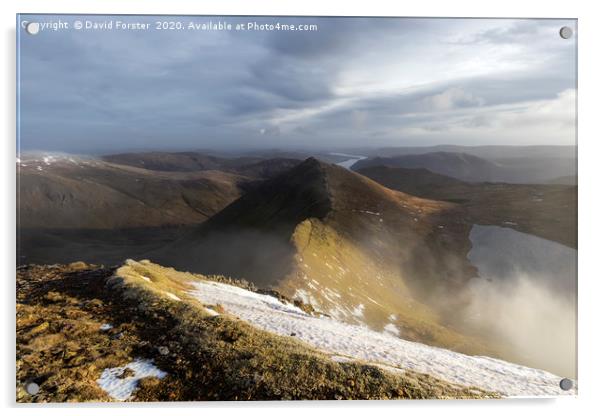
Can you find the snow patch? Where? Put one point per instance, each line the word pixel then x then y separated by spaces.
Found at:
pixel 305 297
pixel 391 329
pixel 340 359
pixel 121 388
pixel 338 313
pixel 211 311
pixel 333 293
pixel 370 212
pixel 340 339
pixel 372 300
pixel 106 327
pixel 172 296
pixel 358 311
pixel 213 293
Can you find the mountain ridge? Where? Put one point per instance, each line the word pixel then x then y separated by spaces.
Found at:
pixel 342 243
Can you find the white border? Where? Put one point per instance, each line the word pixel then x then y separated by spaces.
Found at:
pixel 590 205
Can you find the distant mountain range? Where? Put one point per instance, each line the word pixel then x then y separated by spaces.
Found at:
pixel 194 161
pixel 491 152
pixel 457 165
pixel 471 168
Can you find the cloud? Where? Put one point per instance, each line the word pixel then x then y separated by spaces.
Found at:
pixel 354 81
pixel 520 31
pixel 558 113
pixel 452 98
pixel 524 122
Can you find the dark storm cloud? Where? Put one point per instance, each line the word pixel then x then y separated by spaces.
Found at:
pixel 85 91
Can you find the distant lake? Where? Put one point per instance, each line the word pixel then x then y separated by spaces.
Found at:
pixel 349 162
pixel 504 253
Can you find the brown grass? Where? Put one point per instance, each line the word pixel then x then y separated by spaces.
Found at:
pixel 209 358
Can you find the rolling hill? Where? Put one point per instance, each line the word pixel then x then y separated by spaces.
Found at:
pixel 74 208
pixel 86 193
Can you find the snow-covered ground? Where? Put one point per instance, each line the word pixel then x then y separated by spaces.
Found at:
pixel 40 161
pixel 121 388
pixel 358 342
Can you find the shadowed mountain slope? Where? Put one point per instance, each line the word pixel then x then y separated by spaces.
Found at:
pixel 74 208
pixel 95 194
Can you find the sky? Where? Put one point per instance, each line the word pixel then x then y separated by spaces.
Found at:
pixel 353 82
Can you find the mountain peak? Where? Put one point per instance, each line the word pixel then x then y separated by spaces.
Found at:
pixel 312 161
pixel 290 197
pixel 311 164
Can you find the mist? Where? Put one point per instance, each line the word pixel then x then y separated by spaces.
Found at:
pixel 537 325
pixel 525 298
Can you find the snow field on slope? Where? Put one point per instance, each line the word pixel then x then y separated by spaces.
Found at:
pixel 362 343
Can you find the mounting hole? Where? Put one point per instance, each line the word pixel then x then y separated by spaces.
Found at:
pixel 32 28
pixel 32 388
pixel 566 32
pixel 566 384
